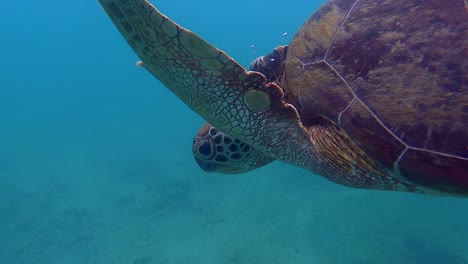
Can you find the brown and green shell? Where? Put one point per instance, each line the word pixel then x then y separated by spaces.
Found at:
pixel 394 75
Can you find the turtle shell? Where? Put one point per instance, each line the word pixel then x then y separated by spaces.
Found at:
pixel 394 75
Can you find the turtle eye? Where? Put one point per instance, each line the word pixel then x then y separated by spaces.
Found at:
pixel 205 149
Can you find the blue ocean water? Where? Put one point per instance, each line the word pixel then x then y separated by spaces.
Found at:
pixel 96 163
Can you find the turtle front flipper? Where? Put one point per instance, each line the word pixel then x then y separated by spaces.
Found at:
pixel 215 151
pixel 237 102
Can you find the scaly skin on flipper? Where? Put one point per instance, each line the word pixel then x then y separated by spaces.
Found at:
pixel 215 151
pixel 235 101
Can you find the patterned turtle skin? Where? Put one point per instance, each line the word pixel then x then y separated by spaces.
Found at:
pixel 371 94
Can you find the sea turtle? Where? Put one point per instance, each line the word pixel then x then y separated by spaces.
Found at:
pixel 369 93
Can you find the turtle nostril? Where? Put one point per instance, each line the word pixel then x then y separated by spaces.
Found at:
pixel 205 149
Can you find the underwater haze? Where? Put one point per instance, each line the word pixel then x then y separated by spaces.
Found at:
pixel 96 163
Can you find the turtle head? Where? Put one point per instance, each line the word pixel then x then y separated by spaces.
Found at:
pixel 215 151
pixel 271 65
